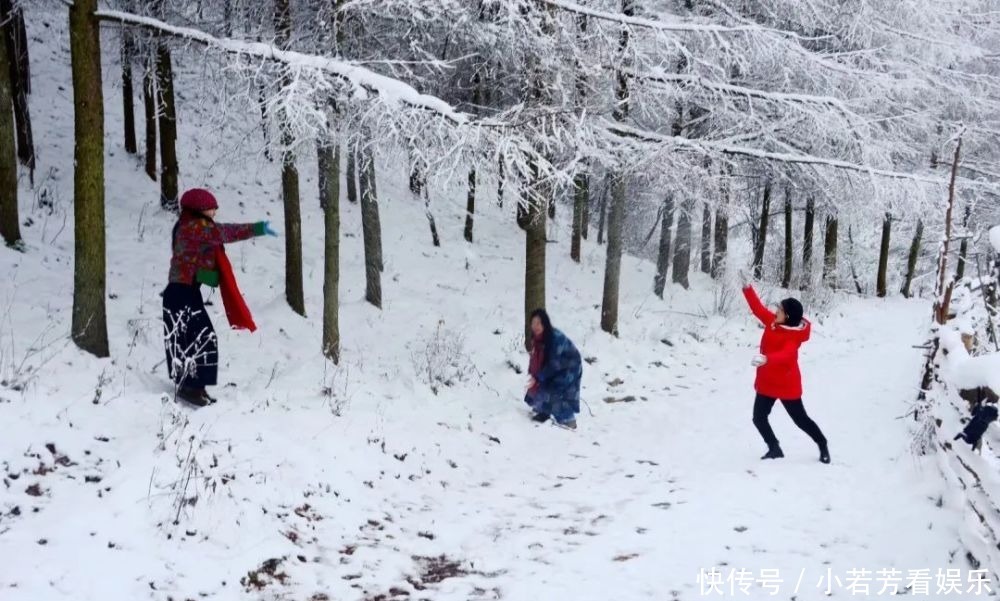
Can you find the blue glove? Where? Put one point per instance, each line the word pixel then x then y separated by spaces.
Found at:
pixel 267 229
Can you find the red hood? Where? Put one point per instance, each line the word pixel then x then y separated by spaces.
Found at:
pixel 800 334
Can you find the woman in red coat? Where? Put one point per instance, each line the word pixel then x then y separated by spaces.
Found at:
pixel 778 375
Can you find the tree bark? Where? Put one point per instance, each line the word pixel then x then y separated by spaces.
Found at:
pixel 721 242
pixel 663 256
pixel 470 206
pixel 168 129
pixel 911 259
pixel 613 263
pixel 371 229
pixel 706 239
pixel 10 228
pixel 89 327
pixel 786 278
pixel 128 93
pixel 289 179
pixel 883 257
pixel 963 247
pixel 830 253
pixel 328 159
pixel 682 248
pixel 807 243
pixel 19 69
pixel 352 176
pixel 761 237
pixel 534 252
pixel 501 181
pixel 581 195
pixel 149 104
pixel 435 239
pixel 603 208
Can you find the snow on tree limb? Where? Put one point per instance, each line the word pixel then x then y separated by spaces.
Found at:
pixel 390 90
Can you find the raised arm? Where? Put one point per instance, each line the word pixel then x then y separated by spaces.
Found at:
pixel 235 232
pixel 757 307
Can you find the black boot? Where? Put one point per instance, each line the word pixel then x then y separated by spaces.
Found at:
pixel 824 453
pixel 194 396
pixel 773 452
pixel 540 417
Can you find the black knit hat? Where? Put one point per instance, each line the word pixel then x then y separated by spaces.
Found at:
pixel 793 312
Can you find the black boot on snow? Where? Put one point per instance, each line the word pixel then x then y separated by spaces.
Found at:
pixel 773 453
pixel 540 417
pixel 193 396
pixel 824 453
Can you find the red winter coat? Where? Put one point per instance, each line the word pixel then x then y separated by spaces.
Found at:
pixel 779 377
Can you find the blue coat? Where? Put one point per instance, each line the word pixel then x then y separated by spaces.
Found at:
pixel 559 378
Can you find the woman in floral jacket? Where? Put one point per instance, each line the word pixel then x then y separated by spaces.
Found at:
pixel 199 258
pixel 556 370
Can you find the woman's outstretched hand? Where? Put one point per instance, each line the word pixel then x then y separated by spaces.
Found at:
pixel 267 229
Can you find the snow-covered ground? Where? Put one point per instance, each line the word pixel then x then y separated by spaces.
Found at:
pixel 358 482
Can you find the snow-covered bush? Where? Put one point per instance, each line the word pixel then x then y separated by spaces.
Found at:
pixel 442 360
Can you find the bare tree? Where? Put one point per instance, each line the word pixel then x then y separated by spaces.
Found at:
pixel 706 239
pixel 911 259
pixel 371 229
pixel 760 240
pixel 786 278
pixel 682 249
pixel 9 223
pixel 883 257
pixel 807 242
pixel 663 255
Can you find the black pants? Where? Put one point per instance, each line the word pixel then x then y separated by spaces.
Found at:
pixel 762 408
pixel 190 341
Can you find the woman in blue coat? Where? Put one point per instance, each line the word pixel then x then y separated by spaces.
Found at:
pixel 556 369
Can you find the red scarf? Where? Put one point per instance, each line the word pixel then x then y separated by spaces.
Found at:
pixel 236 309
pixel 536 360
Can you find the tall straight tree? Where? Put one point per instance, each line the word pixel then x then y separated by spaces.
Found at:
pixel 721 241
pixel 352 176
pixel 616 216
pixel 9 225
pixel 761 237
pixel 149 105
pixel 786 278
pixel 830 252
pixel 533 223
pixel 371 228
pixel 289 178
pixel 807 242
pixel 470 206
pixel 963 247
pixel 911 259
pixel 883 257
pixel 167 124
pixel 128 93
pixel 89 328
pixel 328 164
pixel 16 40
pixel 682 247
pixel 581 195
pixel 663 254
pixel 706 239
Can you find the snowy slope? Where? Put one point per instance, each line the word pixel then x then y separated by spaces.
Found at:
pixel 359 482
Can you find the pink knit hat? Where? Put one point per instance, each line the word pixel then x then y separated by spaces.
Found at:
pixel 198 199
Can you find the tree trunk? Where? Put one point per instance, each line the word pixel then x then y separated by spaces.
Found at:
pixel 227 25
pixel 786 279
pixel 9 222
pixel 89 328
pixel 613 263
pixel 149 104
pixel 534 252
pixel 352 176
pixel 963 247
pixel 721 242
pixel 883 257
pixel 581 195
pixel 603 211
pixel 371 229
pixel 850 260
pixel 328 159
pixel 128 94
pixel 435 239
pixel 265 131
pixel 289 178
pixel 501 181
pixel 807 243
pixel 911 259
pixel 830 253
pixel 706 239
pixel 761 237
pixel 470 205
pixel 168 129
pixel 585 219
pixel 663 256
pixel 682 248
pixel 16 40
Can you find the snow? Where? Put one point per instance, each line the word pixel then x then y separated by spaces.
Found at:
pixel 353 476
pixel 995 237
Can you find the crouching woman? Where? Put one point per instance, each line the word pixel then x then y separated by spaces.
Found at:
pixel 556 369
